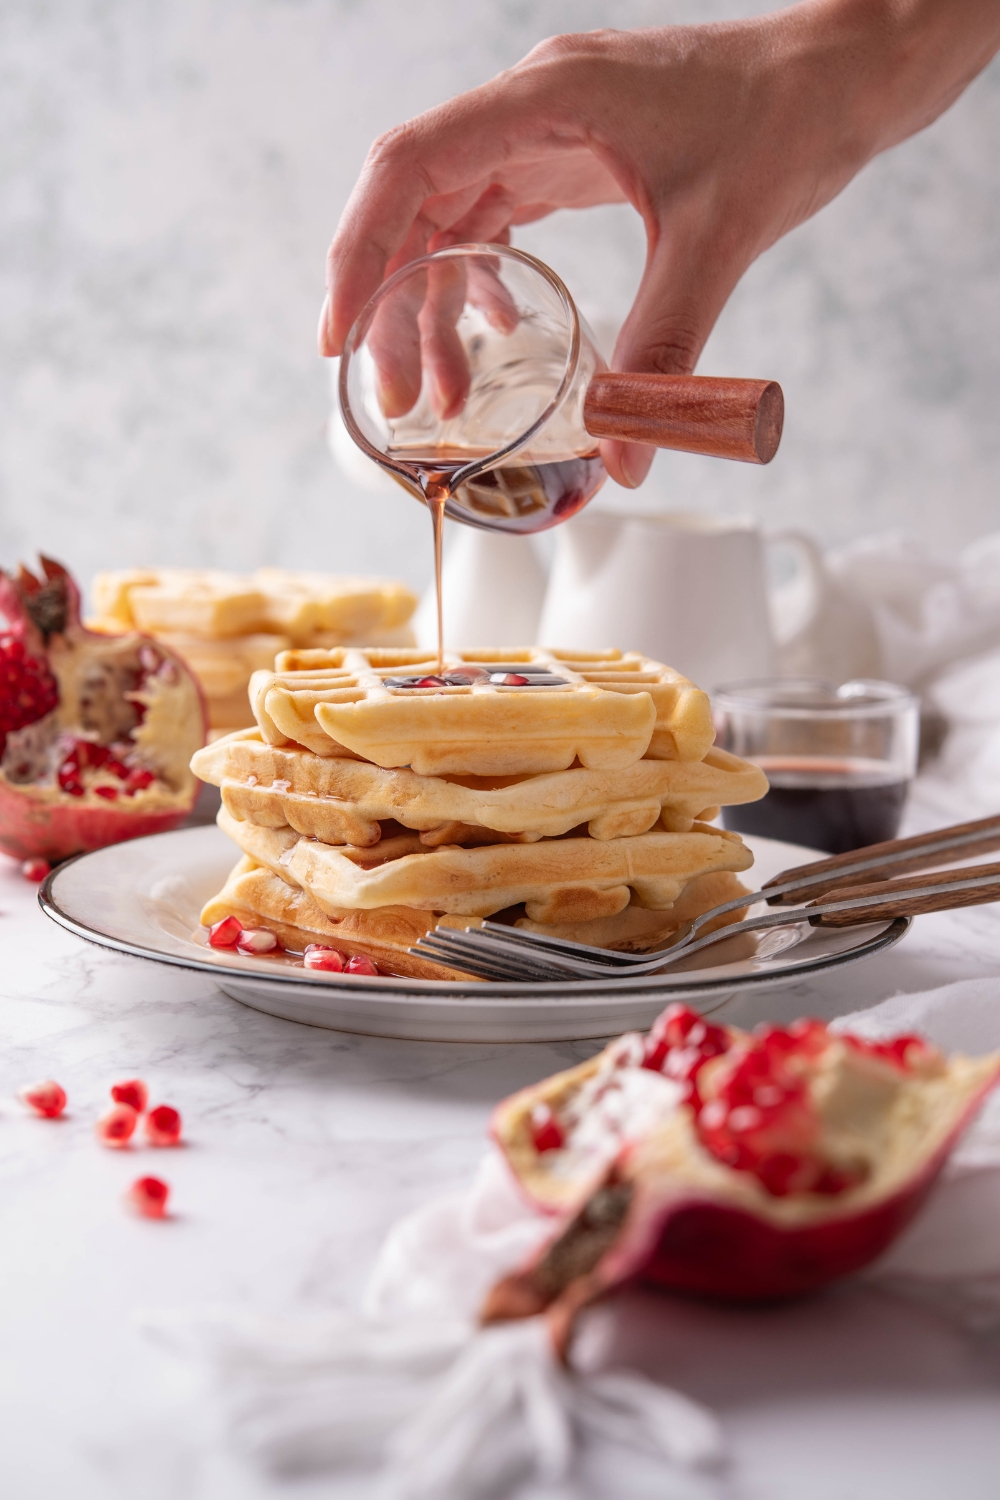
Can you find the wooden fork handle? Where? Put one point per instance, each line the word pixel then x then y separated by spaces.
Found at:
pixel 722 418
pixel 908 905
pixel 826 870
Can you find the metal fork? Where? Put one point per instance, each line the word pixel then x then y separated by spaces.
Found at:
pixel 496 951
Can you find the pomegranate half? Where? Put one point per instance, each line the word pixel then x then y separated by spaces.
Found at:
pixel 709 1160
pixel 96 732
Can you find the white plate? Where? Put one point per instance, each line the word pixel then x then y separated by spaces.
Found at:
pixel 143 897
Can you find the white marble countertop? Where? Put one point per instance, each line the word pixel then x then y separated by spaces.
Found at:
pixel 303 1146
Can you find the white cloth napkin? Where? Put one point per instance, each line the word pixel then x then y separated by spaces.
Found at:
pixel 409 1396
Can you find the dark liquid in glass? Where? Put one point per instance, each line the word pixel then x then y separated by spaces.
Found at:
pixel 833 805
pixel 515 497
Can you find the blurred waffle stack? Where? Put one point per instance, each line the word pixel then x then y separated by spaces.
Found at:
pixel 230 625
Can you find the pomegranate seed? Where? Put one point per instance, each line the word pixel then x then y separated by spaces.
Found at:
pixel 138 780
pixel 132 1092
pixel 163 1126
pixel 46 1098
pixel 546 1132
pixel 35 870
pixel 68 777
pixel 117 1127
pixel 430 682
pixel 109 793
pixel 317 956
pixel 509 679
pixel 257 940
pixel 224 934
pixel 148 1197
pixel 116 767
pixel 360 963
pixel 90 753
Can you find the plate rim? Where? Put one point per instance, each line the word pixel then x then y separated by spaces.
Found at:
pixel 445 992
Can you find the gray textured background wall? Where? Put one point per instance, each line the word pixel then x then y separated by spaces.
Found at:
pixel 170 175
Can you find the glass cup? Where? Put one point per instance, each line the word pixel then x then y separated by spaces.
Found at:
pixel 839 759
pixel 466 375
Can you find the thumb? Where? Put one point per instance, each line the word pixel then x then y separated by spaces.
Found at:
pixel 684 287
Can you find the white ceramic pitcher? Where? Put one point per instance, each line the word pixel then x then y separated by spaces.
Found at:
pixel 690 590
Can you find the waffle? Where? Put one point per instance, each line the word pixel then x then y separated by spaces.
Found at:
pixel 257 896
pixel 307 608
pixel 637 929
pixel 492 712
pixel 557 880
pixel 344 801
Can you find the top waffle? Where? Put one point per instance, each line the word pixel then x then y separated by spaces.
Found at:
pixel 304 608
pixel 491 712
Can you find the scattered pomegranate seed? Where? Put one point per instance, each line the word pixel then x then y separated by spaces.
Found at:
pixel 163 1126
pixel 117 1127
pixel 425 682
pixel 360 963
pixel 47 1098
pixel 509 679
pixel 35 870
pixel 133 1092
pixel 257 940
pixel 317 956
pixel 546 1132
pixel 223 934
pixel 148 1197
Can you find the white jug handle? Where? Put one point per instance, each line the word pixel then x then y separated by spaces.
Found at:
pixel 814 574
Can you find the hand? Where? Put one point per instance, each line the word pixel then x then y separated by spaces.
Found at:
pixel 724 137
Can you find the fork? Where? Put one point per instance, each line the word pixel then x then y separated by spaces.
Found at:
pixel 496 951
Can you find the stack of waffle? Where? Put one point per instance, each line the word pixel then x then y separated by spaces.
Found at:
pixel 229 625
pixel 562 791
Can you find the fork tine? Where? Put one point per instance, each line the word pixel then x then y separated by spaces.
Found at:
pixel 529 939
pixel 486 949
pixel 494 966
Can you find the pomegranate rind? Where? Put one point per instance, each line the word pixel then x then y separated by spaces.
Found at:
pixel 37 818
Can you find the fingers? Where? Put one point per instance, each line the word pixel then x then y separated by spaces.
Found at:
pixel 446 368
pixel 436 170
pixel 692 266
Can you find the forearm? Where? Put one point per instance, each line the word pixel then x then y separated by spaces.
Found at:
pixel 902 62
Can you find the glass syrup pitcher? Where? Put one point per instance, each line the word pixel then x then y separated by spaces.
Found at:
pixel 472 378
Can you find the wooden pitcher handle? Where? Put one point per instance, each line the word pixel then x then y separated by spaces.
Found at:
pixel 739 419
pixel 904 903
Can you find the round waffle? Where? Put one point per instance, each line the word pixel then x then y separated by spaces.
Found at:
pixel 487 713
pixel 344 801
pixel 557 880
